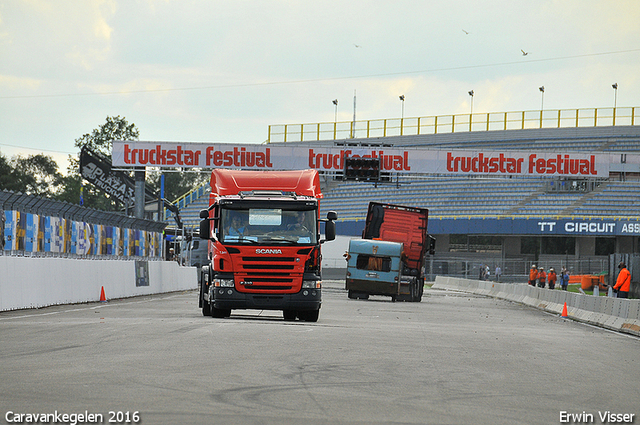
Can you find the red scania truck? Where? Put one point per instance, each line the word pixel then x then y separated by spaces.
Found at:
pixel 264 249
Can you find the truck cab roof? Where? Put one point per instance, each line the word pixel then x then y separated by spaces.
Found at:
pixel 236 182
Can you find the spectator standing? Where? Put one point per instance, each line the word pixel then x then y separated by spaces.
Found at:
pixel 2 221
pixel 623 284
pixel 542 277
pixel 552 277
pixel 533 275
pixel 564 279
pixel 498 273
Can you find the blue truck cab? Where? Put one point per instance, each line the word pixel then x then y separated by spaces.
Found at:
pixel 390 259
pixel 374 268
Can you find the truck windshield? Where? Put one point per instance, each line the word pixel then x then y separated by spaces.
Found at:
pixel 268 225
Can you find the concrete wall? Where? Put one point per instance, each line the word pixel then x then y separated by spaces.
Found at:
pixel 618 314
pixel 27 282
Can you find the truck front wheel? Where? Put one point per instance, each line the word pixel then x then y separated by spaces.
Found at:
pixel 206 308
pixel 290 315
pixel 220 312
pixel 309 315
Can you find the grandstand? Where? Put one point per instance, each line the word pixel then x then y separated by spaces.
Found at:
pixel 459 197
pixel 190 205
pixel 510 207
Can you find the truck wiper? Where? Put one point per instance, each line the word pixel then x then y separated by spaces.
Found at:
pixel 240 240
pixel 281 239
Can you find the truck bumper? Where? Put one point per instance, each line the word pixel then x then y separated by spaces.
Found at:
pixel 372 287
pixel 229 298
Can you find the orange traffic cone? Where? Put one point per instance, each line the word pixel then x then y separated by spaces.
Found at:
pixel 103 299
pixel 564 311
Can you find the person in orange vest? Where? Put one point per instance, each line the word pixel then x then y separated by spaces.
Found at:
pixel 533 275
pixel 623 284
pixel 542 277
pixel 551 277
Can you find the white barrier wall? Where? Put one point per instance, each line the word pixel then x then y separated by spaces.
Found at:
pixel 27 282
pixel 619 314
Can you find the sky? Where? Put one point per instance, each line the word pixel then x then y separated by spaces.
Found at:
pixel 223 71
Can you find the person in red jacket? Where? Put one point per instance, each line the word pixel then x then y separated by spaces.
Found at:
pixel 533 275
pixel 623 284
pixel 552 277
pixel 542 277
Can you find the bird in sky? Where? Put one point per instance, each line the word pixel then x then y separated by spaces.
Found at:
pixel 466 32
pixel 524 53
pixel 357 46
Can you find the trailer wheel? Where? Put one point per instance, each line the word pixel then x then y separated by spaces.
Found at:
pixel 420 290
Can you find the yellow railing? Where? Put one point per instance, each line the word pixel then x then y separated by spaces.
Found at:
pixel 187 198
pixel 558 118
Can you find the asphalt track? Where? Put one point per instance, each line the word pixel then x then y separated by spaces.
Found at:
pixel 454 358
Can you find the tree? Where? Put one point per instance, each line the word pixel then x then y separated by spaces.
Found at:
pixel 100 141
pixel 7 180
pixel 39 173
pixel 33 175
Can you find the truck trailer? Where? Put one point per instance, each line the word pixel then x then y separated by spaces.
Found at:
pixel 264 243
pixel 390 259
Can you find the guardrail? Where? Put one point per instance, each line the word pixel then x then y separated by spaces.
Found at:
pixel 619 314
pixel 32 226
pixel 520 120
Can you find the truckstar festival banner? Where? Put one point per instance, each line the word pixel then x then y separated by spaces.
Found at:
pixel 397 160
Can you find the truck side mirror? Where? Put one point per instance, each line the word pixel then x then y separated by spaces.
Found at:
pixel 330 230
pixel 204 213
pixel 205 228
pixel 432 245
pixel 330 226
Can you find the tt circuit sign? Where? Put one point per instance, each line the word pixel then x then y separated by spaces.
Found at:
pixel 404 160
pixel 590 227
pixel 533 226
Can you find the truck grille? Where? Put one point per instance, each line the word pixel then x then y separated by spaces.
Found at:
pixel 269 274
pixel 267 267
pixel 269 259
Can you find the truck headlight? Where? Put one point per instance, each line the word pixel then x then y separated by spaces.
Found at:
pixel 223 283
pixel 311 284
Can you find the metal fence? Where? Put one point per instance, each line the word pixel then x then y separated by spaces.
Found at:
pixel 518 120
pixel 35 226
pixel 514 270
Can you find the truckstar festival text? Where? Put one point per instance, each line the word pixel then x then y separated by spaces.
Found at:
pixel 408 160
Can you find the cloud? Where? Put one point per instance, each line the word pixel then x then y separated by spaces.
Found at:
pixel 224 70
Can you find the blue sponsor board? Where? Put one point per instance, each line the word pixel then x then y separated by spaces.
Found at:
pixel 515 226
